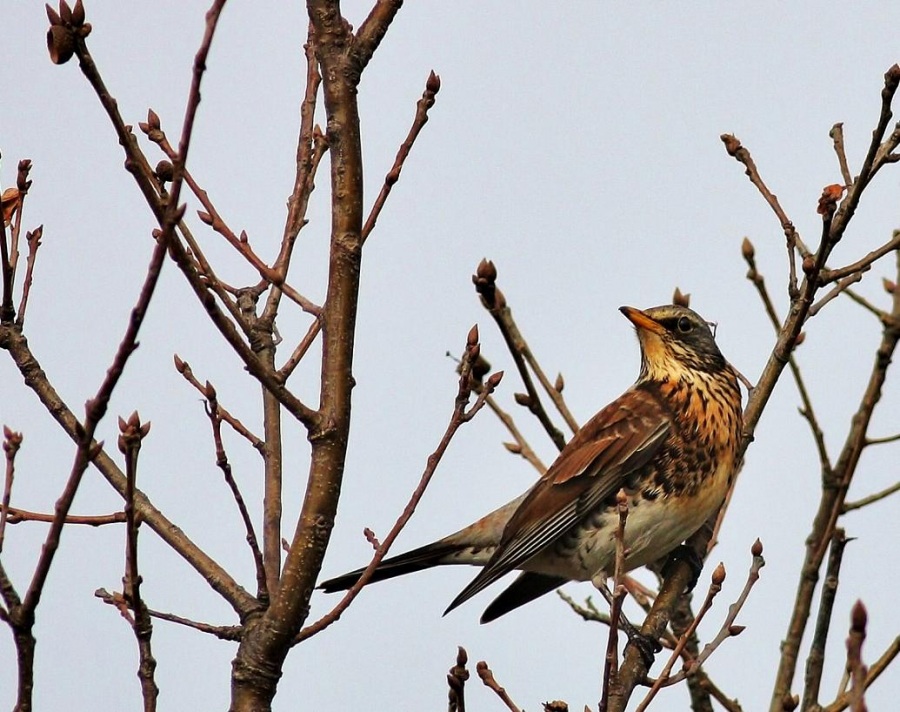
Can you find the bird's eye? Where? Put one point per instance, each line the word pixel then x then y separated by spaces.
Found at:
pixel 684 325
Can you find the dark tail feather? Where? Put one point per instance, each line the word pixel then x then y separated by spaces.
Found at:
pixel 525 588
pixel 422 558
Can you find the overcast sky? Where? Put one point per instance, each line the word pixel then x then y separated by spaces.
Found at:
pixel 575 144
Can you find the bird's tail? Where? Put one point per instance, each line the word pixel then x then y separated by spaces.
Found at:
pixel 436 554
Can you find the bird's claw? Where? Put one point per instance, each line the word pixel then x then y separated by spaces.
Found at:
pixel 686 554
pixel 647 646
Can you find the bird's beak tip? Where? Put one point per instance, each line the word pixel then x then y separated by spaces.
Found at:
pixel 639 318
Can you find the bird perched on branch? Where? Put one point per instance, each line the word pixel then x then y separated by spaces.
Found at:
pixel 670 442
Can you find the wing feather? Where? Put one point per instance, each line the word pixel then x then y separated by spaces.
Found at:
pixel 620 439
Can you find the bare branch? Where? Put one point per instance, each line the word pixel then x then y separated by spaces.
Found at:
pixel 863 264
pixel 373 29
pixel 184 368
pixel 262 591
pixel 132 433
pixel 837 136
pixel 432 87
pixel 462 414
pixel 223 632
pixel 794 242
pixel 875 669
pixel 487 677
pixel 611 659
pixel 485 281
pixel 871 499
pixel 33 238
pixel 17 516
pixel 12 441
pixel 456 680
pixel 815 661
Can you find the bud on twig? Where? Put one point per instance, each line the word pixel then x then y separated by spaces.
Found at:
pixel 889 286
pixel 472 337
pixel 757 548
pixel 858 618
pixel 732 145
pixel 559 384
pixel 522 399
pixel 494 380
pixel 748 252
pixel 132 431
pixel 433 83
pixel 718 577
pixel 60 43
pixel 165 171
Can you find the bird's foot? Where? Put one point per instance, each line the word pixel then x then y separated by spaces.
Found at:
pixel 648 647
pixel 686 554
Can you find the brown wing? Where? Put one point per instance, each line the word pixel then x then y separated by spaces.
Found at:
pixel 617 441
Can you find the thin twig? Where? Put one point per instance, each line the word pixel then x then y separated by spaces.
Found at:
pixel 462 413
pixel 432 87
pixel 212 411
pixel 855 666
pixel 862 264
pixel 884 440
pixel 184 368
pixel 520 446
pixel 837 137
pixel 875 669
pixel 838 288
pixel 715 586
pixel 132 433
pixel 485 281
pixel 866 304
pixel 738 152
pixel 728 704
pixel 456 680
pixel 728 628
pixel 33 238
pixel 611 658
pixel 35 378
pixel 12 441
pixel 17 516
pixel 487 677
pixel 815 661
pixel 223 632
pixel 876 497
pixel 95 410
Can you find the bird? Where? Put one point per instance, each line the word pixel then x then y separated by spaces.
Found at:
pixel 670 441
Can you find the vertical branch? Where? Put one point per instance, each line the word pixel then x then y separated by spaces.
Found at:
pixel 214 412
pixel 611 662
pixel 855 666
pixel 7 310
pixel 831 502
pixel 132 433
pixel 272 484
pixel 12 441
pixel 268 639
pixel 816 658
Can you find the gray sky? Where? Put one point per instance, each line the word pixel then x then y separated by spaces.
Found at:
pixel 576 145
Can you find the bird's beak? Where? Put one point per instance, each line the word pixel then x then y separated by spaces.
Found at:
pixel 641 320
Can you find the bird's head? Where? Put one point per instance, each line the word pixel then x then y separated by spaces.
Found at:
pixel 675 342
